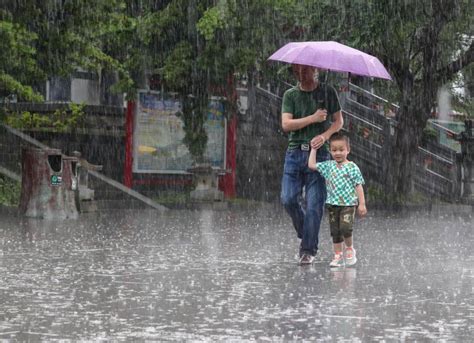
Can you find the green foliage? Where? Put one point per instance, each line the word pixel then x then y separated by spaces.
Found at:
pixel 60 120
pixel 9 191
pixel 429 134
pixel 17 63
pixel 171 198
pixel 197 47
pixel 27 120
pixel 8 85
pixel 211 21
pixel 194 115
pixel 67 120
pixel 196 142
pixel 178 66
pixel 378 195
pixel 423 44
pixel 48 38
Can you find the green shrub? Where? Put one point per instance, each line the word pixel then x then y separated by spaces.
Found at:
pixel 172 198
pixel 60 120
pixel 376 194
pixel 9 191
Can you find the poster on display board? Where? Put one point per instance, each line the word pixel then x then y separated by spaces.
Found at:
pixel 158 135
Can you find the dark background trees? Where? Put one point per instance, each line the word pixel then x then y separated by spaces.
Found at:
pixel 195 47
pixel 424 44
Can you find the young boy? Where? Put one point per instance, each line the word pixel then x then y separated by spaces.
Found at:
pixel 344 193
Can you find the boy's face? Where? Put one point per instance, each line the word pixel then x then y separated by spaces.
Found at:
pixel 339 150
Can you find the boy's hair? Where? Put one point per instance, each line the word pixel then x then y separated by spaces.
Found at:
pixel 339 136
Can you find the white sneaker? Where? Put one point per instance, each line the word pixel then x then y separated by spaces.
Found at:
pixel 350 256
pixel 337 261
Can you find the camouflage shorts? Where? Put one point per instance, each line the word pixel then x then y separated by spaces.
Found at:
pixel 341 219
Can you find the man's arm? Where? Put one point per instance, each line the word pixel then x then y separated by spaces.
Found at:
pixel 289 124
pixel 336 125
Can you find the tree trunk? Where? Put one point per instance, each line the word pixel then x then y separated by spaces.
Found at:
pixel 412 118
pixel 403 152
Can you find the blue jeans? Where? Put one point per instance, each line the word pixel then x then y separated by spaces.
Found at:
pixel 306 214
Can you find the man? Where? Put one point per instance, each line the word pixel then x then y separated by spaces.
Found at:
pixel 304 116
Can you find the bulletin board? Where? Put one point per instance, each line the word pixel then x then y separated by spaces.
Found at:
pixel 158 135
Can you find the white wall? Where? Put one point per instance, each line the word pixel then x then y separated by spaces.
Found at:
pixel 85 91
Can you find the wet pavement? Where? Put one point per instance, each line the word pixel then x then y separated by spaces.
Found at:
pixel 233 276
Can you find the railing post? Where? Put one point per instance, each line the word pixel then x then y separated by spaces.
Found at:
pixel 386 147
pixel 128 165
pixel 467 157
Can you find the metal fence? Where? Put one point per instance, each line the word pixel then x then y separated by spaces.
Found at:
pixel 370 122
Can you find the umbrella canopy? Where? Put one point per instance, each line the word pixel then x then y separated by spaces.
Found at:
pixel 333 56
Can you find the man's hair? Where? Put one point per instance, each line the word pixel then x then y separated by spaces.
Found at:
pixel 339 136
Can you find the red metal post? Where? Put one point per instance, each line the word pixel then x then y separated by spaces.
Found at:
pixel 127 171
pixel 227 184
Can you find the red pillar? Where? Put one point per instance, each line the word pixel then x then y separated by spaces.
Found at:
pixel 228 180
pixel 127 171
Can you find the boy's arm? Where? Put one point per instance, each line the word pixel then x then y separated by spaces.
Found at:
pixel 312 159
pixel 361 209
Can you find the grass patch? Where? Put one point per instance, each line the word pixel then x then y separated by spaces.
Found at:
pixel 172 198
pixel 376 194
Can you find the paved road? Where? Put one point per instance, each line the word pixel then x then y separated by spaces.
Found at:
pixel 232 276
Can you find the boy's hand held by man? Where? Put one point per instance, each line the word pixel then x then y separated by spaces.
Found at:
pixel 317 142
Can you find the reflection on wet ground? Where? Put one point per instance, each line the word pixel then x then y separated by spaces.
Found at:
pixel 233 275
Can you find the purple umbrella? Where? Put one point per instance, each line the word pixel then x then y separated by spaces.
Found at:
pixel 332 56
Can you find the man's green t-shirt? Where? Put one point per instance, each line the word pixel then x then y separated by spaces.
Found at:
pixel 301 104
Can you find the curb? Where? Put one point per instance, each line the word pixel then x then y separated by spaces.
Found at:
pixel 9 210
pixel 438 209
